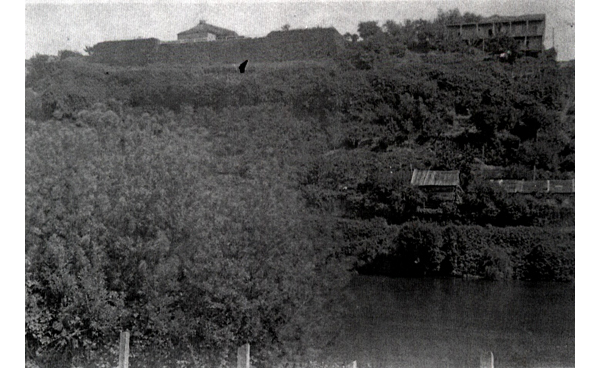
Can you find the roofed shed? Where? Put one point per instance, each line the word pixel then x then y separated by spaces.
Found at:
pixel 440 185
pixel 431 178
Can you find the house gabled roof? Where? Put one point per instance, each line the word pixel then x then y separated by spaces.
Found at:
pixel 422 178
pixel 204 27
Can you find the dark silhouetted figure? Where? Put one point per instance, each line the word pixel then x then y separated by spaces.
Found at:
pixel 242 66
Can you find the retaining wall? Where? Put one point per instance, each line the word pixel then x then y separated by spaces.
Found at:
pixel 310 44
pixel 129 52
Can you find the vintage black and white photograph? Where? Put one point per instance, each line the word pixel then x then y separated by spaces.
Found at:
pixel 308 184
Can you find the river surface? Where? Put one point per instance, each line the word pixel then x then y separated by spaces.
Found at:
pixel 404 322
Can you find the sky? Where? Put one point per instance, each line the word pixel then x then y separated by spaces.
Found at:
pixel 54 26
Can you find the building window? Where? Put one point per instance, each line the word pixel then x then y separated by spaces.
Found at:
pixel 490 32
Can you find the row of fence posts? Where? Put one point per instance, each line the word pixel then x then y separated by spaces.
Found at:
pixel 486 360
pixel 243 353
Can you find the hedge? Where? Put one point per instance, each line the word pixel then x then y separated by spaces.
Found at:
pixel 525 253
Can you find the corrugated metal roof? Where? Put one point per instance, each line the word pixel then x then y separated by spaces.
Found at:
pixel 511 186
pixel 205 27
pixel 562 186
pixel 537 186
pixel 435 178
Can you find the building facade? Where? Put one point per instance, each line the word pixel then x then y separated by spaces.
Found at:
pixel 528 30
pixel 206 32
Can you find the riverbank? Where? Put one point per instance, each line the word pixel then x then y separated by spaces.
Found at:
pixel 426 249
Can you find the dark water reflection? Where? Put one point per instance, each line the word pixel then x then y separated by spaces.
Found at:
pixel 407 322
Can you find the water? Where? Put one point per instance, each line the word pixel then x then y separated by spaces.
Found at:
pixel 449 322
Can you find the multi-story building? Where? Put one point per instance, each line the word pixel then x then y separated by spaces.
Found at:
pixel 528 30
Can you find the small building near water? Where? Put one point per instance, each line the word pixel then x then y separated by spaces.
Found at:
pixel 440 186
pixel 537 186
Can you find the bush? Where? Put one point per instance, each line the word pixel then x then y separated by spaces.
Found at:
pixel 33 104
pixel 530 253
pixel 132 229
pixel 496 264
pixel 549 263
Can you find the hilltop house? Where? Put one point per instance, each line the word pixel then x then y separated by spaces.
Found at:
pixel 440 186
pixel 205 32
pixel 528 30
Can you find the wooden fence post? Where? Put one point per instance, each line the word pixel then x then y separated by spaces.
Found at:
pixel 243 356
pixel 124 350
pixel 486 360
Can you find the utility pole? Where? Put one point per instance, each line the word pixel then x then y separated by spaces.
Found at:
pixel 552 37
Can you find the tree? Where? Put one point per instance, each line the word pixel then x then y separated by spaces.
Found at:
pixel 393 29
pixel 368 29
pixel 64 54
pixel 40 67
pixel 448 17
pixel 285 27
pixel 501 44
pixel 471 17
pixel 534 119
pixel 89 50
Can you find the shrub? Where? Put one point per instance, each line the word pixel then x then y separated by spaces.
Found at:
pixel 496 264
pixel 549 262
pixel 496 253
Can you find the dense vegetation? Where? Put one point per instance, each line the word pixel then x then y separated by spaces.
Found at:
pixel 201 208
pixel 191 242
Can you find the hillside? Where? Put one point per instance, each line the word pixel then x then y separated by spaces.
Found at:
pixel 200 207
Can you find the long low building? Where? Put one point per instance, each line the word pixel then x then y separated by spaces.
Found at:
pixel 528 30
pixel 537 186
